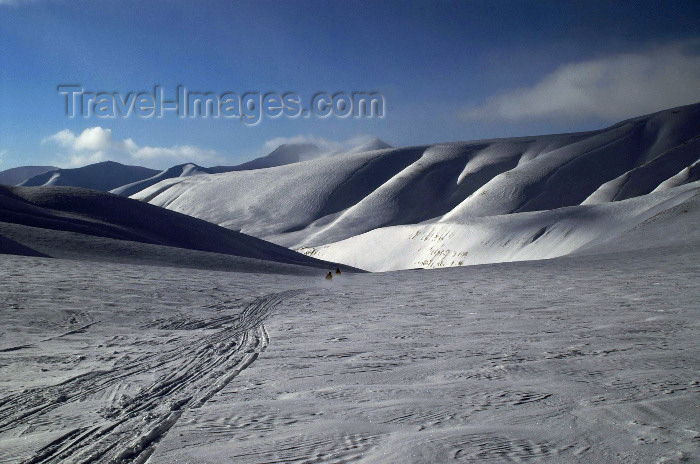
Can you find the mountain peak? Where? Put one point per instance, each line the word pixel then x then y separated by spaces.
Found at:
pixel 295 147
pixel 370 145
pixel 287 153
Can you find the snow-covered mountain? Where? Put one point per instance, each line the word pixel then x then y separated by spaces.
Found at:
pixel 283 155
pixel 103 176
pixel 18 175
pixel 327 200
pixel 81 223
pixel 290 153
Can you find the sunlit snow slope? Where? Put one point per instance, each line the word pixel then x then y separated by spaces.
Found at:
pixel 471 190
pixel 665 218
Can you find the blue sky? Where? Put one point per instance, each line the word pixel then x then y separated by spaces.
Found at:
pixel 448 70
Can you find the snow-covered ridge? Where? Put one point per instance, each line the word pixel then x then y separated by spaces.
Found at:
pixel 87 224
pixel 103 176
pixel 285 154
pixel 331 199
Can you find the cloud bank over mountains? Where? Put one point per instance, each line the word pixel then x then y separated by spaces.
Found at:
pixel 96 144
pixel 611 88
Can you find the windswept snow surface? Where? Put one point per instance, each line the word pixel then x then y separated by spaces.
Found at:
pixel 123 352
pixel 578 359
pixel 331 199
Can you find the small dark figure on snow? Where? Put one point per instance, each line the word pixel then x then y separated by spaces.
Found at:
pixel 329 276
pixel 337 270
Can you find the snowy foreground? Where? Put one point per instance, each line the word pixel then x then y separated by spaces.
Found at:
pixel 576 359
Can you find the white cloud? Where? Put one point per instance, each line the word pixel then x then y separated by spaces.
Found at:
pixel 93 138
pixel 178 152
pixel 64 138
pixel 327 147
pixel 83 159
pixel 97 144
pixel 610 88
pixel 3 153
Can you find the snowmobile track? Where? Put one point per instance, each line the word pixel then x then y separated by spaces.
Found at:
pixel 129 430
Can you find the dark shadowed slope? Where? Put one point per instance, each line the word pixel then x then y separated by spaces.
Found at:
pixel 18 175
pixel 103 176
pixel 645 178
pixel 62 213
pixel 10 247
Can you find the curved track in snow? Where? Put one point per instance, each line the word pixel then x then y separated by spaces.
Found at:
pixel 185 376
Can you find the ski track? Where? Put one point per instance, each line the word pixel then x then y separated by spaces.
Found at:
pixel 189 375
pixel 585 359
